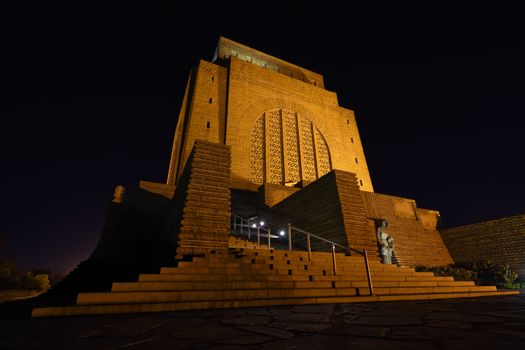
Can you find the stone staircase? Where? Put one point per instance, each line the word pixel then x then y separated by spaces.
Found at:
pixel 249 275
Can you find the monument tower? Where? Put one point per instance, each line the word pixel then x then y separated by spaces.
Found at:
pixel 282 125
pixel 285 131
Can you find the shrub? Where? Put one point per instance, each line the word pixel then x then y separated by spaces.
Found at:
pixel 459 273
pixel 9 275
pixel 489 273
pixel 484 273
pixel 39 282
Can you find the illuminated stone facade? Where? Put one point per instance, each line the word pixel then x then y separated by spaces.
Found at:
pixel 281 124
pixel 261 140
pixel 285 131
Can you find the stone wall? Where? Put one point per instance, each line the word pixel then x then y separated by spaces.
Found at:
pixel 228 48
pixel 501 241
pixel 274 194
pixel 199 219
pixel 163 189
pixel 223 102
pixel 254 90
pixel 132 229
pixel 416 240
pixel 202 114
pixel 330 207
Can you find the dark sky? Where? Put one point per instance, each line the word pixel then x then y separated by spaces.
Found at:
pixel 91 97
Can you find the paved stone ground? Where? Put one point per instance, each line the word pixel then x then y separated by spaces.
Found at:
pixel 478 323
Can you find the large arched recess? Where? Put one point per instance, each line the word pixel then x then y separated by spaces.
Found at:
pixel 239 130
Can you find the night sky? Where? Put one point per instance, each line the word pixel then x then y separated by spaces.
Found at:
pixel 91 99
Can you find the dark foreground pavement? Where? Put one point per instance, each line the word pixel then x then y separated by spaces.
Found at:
pixel 478 323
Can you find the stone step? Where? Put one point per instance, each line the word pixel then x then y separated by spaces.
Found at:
pixel 247 271
pixel 266 259
pixel 207 295
pixel 211 285
pixel 304 254
pixel 322 260
pixel 184 277
pixel 363 283
pixel 293 263
pixel 240 294
pixel 223 304
pixel 383 278
pixel 342 259
pixel 279 253
pixel 427 290
pixel 407 284
pixel 276 269
pixel 262 277
pixel 219 278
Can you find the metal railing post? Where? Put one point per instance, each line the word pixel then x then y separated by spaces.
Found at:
pixel 258 235
pixel 269 240
pixel 241 226
pixel 333 259
pixel 235 223
pixel 289 237
pixel 368 274
pixel 309 247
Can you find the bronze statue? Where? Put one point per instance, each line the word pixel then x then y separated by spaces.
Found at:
pixel 386 243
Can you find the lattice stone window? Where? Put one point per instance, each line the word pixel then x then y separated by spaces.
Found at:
pixel 292 164
pixel 257 153
pixel 274 147
pixel 323 156
pixel 287 148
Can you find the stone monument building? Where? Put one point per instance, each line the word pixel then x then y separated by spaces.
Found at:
pixel 285 131
pixel 280 122
pixel 263 150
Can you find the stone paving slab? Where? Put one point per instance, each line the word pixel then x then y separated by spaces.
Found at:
pixel 481 323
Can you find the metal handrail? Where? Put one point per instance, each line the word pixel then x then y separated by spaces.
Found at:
pixel 333 244
pixel 323 239
pixel 244 222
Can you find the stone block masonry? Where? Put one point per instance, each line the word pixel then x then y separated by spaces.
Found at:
pixel 332 208
pixel 233 99
pixel 361 235
pixel 199 220
pixel 501 241
pixel 416 240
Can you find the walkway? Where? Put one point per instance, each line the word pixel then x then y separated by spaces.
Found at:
pixel 477 323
